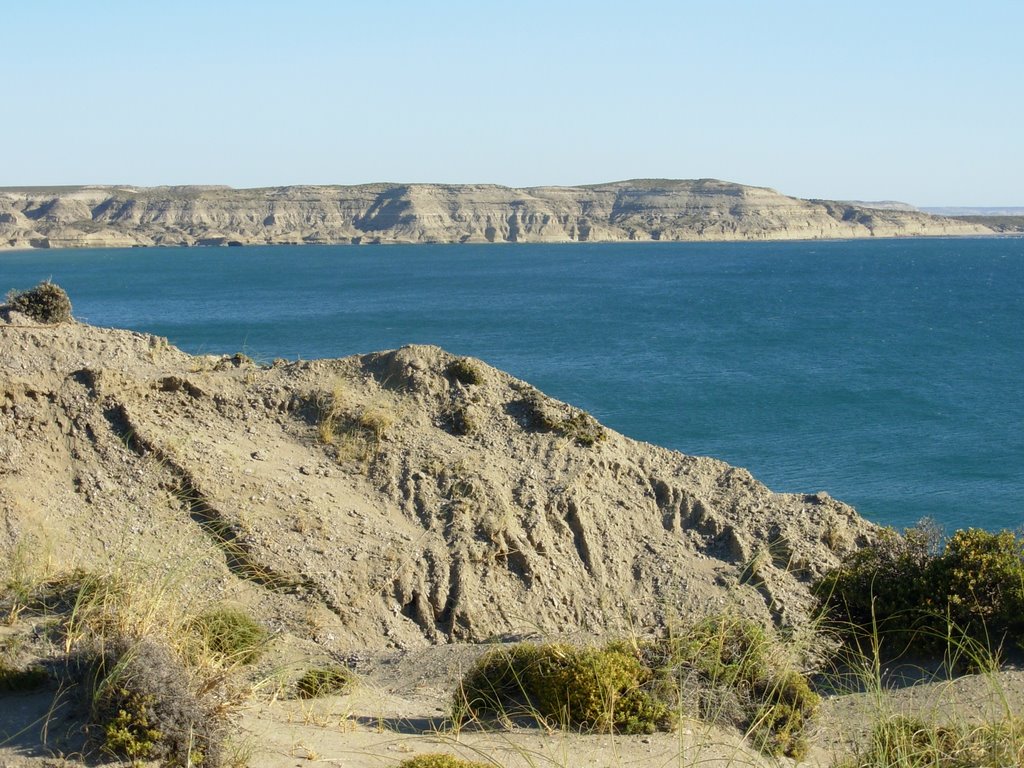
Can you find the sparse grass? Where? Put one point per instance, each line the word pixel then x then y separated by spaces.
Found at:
pixel 438 760
pixel 324 681
pixel 734 671
pixel 726 671
pixel 462 419
pixel 232 635
pixel 45 303
pixel 906 742
pixel 125 640
pixel 354 430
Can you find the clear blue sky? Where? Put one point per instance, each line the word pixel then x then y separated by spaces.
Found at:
pixel 916 101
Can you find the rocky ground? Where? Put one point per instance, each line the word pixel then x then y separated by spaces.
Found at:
pixel 395 512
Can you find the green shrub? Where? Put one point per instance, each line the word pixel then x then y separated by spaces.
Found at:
pixel 735 670
pixel 732 671
pixel 915 593
pixel 323 681
pixel 441 761
pixel 46 303
pixel 144 705
pixel 464 371
pixel 232 634
pixel 603 689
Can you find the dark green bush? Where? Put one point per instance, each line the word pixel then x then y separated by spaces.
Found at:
pixel 602 689
pixel 144 706
pixel 46 303
pixel 323 681
pixel 918 594
pixel 465 371
pixel 232 634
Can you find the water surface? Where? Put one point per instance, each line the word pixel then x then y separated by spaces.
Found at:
pixel 887 372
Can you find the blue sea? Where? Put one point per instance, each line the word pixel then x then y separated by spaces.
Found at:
pixel 889 373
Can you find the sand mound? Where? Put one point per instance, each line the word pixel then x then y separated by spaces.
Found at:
pixel 396 499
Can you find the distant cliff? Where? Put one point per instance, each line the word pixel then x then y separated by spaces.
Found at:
pixel 654 209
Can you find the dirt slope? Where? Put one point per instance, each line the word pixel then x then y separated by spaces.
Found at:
pixel 435 511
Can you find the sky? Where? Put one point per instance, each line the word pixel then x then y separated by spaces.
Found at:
pixel 896 100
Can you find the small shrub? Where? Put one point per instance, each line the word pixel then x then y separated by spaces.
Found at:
pixel 595 688
pixel 547 416
pixel 46 303
pixel 913 591
pixel 232 634
pixel 323 681
pixel 465 371
pixel 734 670
pixel 462 420
pixel 437 760
pixel 145 707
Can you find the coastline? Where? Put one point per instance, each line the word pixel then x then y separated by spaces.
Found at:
pixel 703 210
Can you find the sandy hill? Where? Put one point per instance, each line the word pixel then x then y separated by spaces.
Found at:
pixel 643 209
pixel 382 498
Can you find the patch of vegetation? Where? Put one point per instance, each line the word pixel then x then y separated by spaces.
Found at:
pixel 547 416
pixel 465 371
pixel 462 420
pixel 232 634
pixel 144 707
pixel 918 592
pixel 602 689
pixel 324 681
pixel 904 742
pixel 438 760
pixel 46 303
pixel 735 671
pixel 354 432
pixel 14 680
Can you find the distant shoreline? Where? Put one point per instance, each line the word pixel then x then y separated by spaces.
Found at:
pixel 645 210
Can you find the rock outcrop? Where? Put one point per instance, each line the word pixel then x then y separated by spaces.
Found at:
pixel 706 209
pixel 385 499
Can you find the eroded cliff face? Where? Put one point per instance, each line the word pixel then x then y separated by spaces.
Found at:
pixel 704 209
pixel 384 499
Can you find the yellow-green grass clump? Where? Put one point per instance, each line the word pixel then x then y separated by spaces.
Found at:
pixel 324 681
pixel 439 760
pixel 600 689
pixel 232 634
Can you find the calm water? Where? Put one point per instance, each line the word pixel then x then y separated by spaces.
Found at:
pixel 889 373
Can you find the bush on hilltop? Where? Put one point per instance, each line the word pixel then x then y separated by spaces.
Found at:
pixel 46 303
